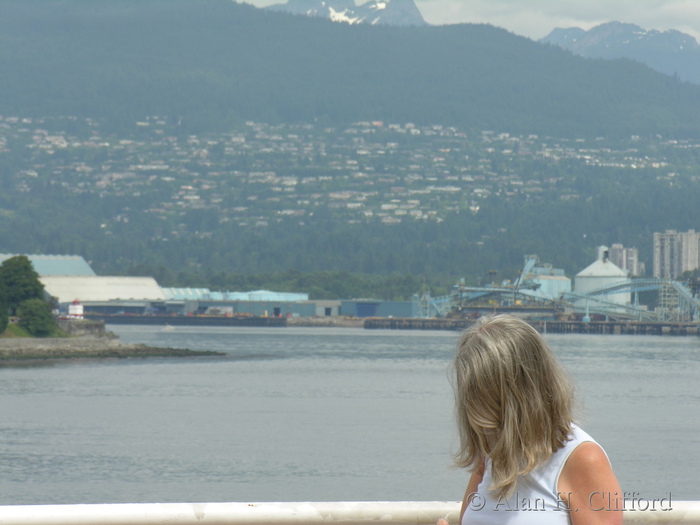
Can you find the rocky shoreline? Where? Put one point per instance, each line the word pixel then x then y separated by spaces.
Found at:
pixel 90 340
pixel 20 350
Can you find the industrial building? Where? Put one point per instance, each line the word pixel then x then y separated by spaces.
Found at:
pixel 603 288
pixel 603 273
pixel 143 295
pixel 105 294
pixel 542 281
pixel 202 301
pixel 71 281
pixel 374 308
pixel 538 285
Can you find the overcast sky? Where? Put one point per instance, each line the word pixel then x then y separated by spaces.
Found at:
pixel 536 18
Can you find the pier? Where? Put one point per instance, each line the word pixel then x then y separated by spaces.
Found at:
pixel 391 323
pixel 615 327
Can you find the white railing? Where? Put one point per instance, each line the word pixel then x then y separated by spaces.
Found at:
pixel 347 513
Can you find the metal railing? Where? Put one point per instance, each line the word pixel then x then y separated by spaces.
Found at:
pixel 347 513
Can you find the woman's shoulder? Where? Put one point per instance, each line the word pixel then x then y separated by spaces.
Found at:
pixel 588 455
pixel 584 461
pixel 588 485
pixel 561 458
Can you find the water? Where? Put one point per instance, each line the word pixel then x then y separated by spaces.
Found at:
pixel 318 414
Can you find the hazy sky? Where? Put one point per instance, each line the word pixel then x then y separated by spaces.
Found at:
pixel 536 18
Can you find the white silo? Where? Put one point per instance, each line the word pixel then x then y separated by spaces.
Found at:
pixel 601 274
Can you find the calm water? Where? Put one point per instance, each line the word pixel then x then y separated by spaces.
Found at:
pixel 316 414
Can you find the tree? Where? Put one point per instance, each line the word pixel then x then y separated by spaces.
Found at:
pixel 36 317
pixel 692 280
pixel 4 317
pixel 21 282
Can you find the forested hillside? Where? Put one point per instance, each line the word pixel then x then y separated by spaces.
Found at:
pixel 434 202
pixel 215 62
pixel 208 142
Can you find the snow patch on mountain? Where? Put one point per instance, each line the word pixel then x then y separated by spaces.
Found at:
pixel 374 12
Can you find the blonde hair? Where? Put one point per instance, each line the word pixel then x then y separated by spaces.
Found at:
pixel 514 401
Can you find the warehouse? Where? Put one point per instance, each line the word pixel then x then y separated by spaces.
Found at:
pixel 98 294
pixel 202 301
pixel 71 282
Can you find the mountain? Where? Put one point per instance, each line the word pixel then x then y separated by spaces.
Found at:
pixel 669 52
pixel 211 63
pixel 375 12
pixel 209 136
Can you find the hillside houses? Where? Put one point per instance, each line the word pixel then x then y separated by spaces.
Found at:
pixel 257 173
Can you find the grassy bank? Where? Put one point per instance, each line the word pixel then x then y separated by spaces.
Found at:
pixel 16 331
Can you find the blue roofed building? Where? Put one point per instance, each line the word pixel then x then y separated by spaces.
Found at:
pixel 203 301
pixel 186 294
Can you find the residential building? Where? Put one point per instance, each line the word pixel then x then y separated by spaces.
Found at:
pixel 626 259
pixel 675 253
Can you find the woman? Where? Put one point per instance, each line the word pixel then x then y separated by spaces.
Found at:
pixel 530 463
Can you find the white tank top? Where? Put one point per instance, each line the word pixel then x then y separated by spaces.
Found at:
pixel 535 500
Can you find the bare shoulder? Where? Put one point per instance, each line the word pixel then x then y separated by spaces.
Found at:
pixel 587 467
pixel 587 458
pixel 588 484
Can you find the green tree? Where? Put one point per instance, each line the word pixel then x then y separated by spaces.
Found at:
pixel 21 282
pixel 36 317
pixel 4 317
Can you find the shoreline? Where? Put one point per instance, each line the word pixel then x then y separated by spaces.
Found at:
pixel 20 350
pixel 325 322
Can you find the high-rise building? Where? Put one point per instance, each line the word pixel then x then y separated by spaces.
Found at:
pixel 675 253
pixel 690 251
pixel 626 259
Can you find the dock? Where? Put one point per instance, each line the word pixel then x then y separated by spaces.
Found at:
pixel 615 327
pixel 391 323
pixel 551 327
pixel 188 320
